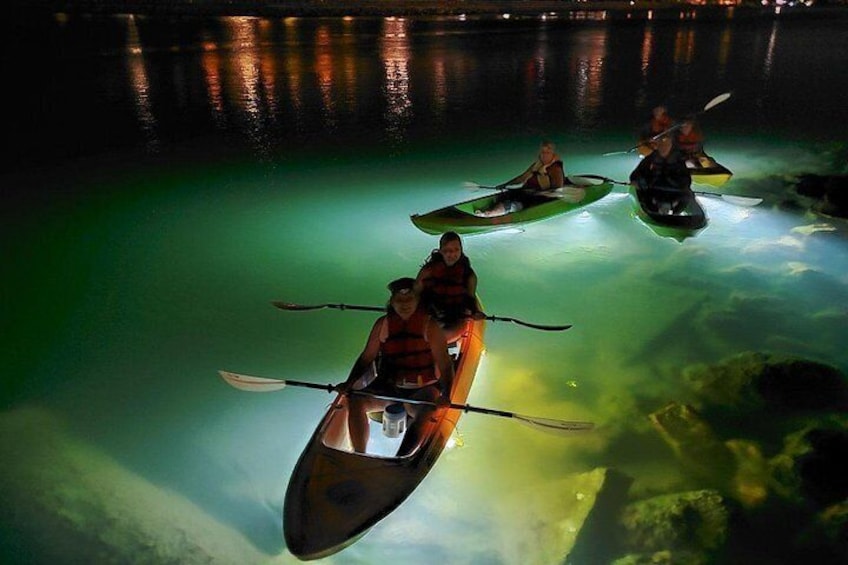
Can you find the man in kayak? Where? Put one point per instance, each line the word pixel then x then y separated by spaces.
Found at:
pixel 660 122
pixel 663 177
pixel 448 286
pixel 413 363
pixel 545 173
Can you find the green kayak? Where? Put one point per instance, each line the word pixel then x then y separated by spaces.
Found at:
pixel 464 217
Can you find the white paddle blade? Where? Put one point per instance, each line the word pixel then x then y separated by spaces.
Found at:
pixel 250 383
pixel 584 181
pixel 742 200
pixel 716 101
pixel 571 194
pixel 559 427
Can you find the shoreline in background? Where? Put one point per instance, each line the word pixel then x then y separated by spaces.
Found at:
pixel 588 10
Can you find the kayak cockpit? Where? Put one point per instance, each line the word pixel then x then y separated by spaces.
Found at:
pixel 388 431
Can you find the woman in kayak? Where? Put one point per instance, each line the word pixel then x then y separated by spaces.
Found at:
pixel 664 178
pixel 690 141
pixel 448 286
pixel 545 173
pixel 414 363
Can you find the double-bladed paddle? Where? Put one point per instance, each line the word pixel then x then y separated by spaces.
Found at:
pixel 707 107
pixel 301 308
pixel 264 384
pixel 574 180
pixel 730 198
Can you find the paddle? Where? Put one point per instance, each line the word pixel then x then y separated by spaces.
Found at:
pixel 263 384
pixel 471 185
pixel 707 107
pixel 576 180
pixel 301 308
pixel 730 198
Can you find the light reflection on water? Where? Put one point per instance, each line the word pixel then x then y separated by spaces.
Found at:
pixel 141 291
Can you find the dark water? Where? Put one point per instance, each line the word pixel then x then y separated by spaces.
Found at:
pixel 81 87
pixel 167 178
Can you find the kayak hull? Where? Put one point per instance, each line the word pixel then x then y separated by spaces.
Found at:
pixel 686 223
pixel 703 168
pixel 335 495
pixel 460 218
pixel 708 171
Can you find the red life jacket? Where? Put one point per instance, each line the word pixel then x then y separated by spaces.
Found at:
pixel 405 353
pixel 659 125
pixel 690 143
pixel 448 286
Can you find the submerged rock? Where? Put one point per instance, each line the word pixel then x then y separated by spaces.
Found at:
pixel 833 524
pixel 601 523
pixel 64 501
pixel 767 432
pixel 579 510
pixel 694 443
pixel 830 191
pixel 665 557
pixel 757 381
pixel 695 522
pixel 764 397
pixel 735 466
pixel 750 482
pixel 812 466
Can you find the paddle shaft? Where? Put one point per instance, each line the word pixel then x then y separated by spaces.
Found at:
pixel 707 107
pixel 301 308
pixel 547 424
pixel 264 384
pixel 731 198
pixel 568 179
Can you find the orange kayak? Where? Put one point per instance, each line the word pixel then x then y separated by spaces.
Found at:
pixel 335 495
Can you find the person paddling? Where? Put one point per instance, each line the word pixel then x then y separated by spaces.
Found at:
pixel 448 286
pixel 659 122
pixel 663 177
pixel 410 351
pixel 546 173
pixel 690 141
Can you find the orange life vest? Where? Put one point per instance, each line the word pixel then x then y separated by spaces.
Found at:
pixel 533 182
pixel 405 353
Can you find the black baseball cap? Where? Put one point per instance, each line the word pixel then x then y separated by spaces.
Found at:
pixel 402 285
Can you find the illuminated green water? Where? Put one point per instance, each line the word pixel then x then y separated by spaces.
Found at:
pixel 125 291
pixel 135 302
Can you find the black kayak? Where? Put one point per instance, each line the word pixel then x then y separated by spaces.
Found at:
pixel 679 215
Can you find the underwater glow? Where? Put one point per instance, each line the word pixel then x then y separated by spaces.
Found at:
pixel 133 285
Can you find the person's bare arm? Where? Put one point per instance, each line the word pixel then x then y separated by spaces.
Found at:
pixel 423 275
pixel 439 348
pixel 368 355
pixel 471 290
